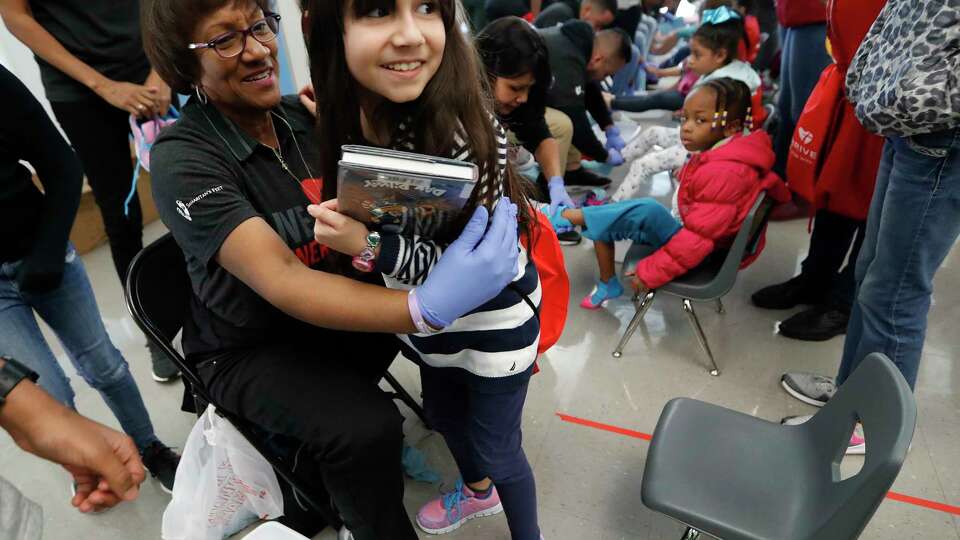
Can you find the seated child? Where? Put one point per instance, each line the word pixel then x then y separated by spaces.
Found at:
pixel 727 169
pixel 713 46
pixel 713 54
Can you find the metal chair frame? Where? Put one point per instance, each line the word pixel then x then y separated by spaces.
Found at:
pixel 745 242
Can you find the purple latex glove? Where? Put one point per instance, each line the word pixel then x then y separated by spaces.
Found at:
pixel 474 269
pixel 614 158
pixel 558 195
pixel 614 140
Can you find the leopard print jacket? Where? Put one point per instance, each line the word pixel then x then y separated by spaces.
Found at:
pixel 905 78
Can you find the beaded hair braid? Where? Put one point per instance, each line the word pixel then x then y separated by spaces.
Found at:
pixel 733 103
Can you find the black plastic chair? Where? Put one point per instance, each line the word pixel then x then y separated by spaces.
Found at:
pixel 737 477
pixel 709 281
pixel 158 295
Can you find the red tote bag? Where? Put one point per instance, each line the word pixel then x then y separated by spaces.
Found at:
pixel 813 132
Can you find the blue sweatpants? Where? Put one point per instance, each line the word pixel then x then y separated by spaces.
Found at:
pixel 643 221
pixel 482 430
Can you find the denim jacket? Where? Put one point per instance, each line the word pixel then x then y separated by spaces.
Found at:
pixel 905 78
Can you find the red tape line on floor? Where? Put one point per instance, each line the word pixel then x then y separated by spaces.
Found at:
pixel 916 501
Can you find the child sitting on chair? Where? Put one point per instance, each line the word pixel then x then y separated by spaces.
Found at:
pixel 727 170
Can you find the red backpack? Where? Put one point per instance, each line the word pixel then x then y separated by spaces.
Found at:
pixel 554 283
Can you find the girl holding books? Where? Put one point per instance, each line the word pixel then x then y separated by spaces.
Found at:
pixel 279 336
pixel 400 74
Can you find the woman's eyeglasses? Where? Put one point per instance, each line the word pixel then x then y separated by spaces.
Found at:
pixel 233 43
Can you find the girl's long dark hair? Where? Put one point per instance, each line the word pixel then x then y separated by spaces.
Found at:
pixel 457 95
pixel 510 48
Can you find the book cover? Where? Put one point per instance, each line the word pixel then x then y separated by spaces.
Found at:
pixel 402 192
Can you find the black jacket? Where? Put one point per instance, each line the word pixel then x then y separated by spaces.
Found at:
pixel 573 92
pixel 35 225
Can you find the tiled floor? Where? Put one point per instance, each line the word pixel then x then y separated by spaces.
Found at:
pixel 589 479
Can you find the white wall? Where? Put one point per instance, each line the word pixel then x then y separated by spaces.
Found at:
pixel 293 39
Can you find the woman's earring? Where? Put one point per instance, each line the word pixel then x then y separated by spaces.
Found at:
pixel 201 95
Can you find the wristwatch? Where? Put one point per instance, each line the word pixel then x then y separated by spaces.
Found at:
pixel 364 261
pixel 11 374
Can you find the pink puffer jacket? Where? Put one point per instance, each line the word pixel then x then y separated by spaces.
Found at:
pixel 717 189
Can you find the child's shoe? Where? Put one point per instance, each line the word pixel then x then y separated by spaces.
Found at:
pixel 602 292
pixel 451 510
pixel 595 197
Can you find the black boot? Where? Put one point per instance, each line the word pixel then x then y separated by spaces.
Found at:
pixel 583 177
pixel 818 323
pixel 787 295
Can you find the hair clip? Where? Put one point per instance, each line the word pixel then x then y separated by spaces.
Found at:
pixel 749 120
pixel 723 120
pixel 716 117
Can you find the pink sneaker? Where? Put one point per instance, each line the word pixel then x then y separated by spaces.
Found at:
pixel 447 512
pixel 857 445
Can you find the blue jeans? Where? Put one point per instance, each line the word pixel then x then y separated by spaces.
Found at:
pixel 71 311
pixel 667 100
pixel 802 59
pixel 631 77
pixel 913 222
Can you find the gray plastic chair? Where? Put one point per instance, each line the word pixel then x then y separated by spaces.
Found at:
pixel 712 279
pixel 737 477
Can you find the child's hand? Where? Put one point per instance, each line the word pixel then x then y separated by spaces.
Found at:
pixel 309 99
pixel 338 232
pixel 638 285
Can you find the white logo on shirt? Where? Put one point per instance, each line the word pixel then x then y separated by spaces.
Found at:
pixel 184 208
pixel 578 90
pixel 805 136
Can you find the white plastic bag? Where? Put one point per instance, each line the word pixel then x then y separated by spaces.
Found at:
pixel 222 485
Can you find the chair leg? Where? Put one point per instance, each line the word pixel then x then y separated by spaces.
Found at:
pixel 720 308
pixel 642 307
pixel 695 323
pixel 399 392
pixel 691 534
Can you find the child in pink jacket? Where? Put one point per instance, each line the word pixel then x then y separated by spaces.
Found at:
pixel 726 171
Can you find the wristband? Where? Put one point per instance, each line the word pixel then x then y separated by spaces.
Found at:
pixel 414 306
pixel 364 261
pixel 11 374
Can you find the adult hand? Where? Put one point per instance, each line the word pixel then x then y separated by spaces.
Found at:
pixel 558 194
pixel 339 232
pixel 137 100
pixel 104 463
pixel 614 140
pixel 474 269
pixel 614 158
pixel 163 93
pixel 309 99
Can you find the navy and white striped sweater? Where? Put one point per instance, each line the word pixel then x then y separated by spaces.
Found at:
pixel 494 345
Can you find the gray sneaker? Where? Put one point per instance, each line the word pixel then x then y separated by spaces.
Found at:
pixel 809 388
pixel 163 369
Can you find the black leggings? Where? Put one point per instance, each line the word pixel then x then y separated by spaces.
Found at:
pixel 832 237
pixel 329 399
pixel 99 133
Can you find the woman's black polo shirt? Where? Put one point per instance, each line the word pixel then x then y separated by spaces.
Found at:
pixel 208 178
